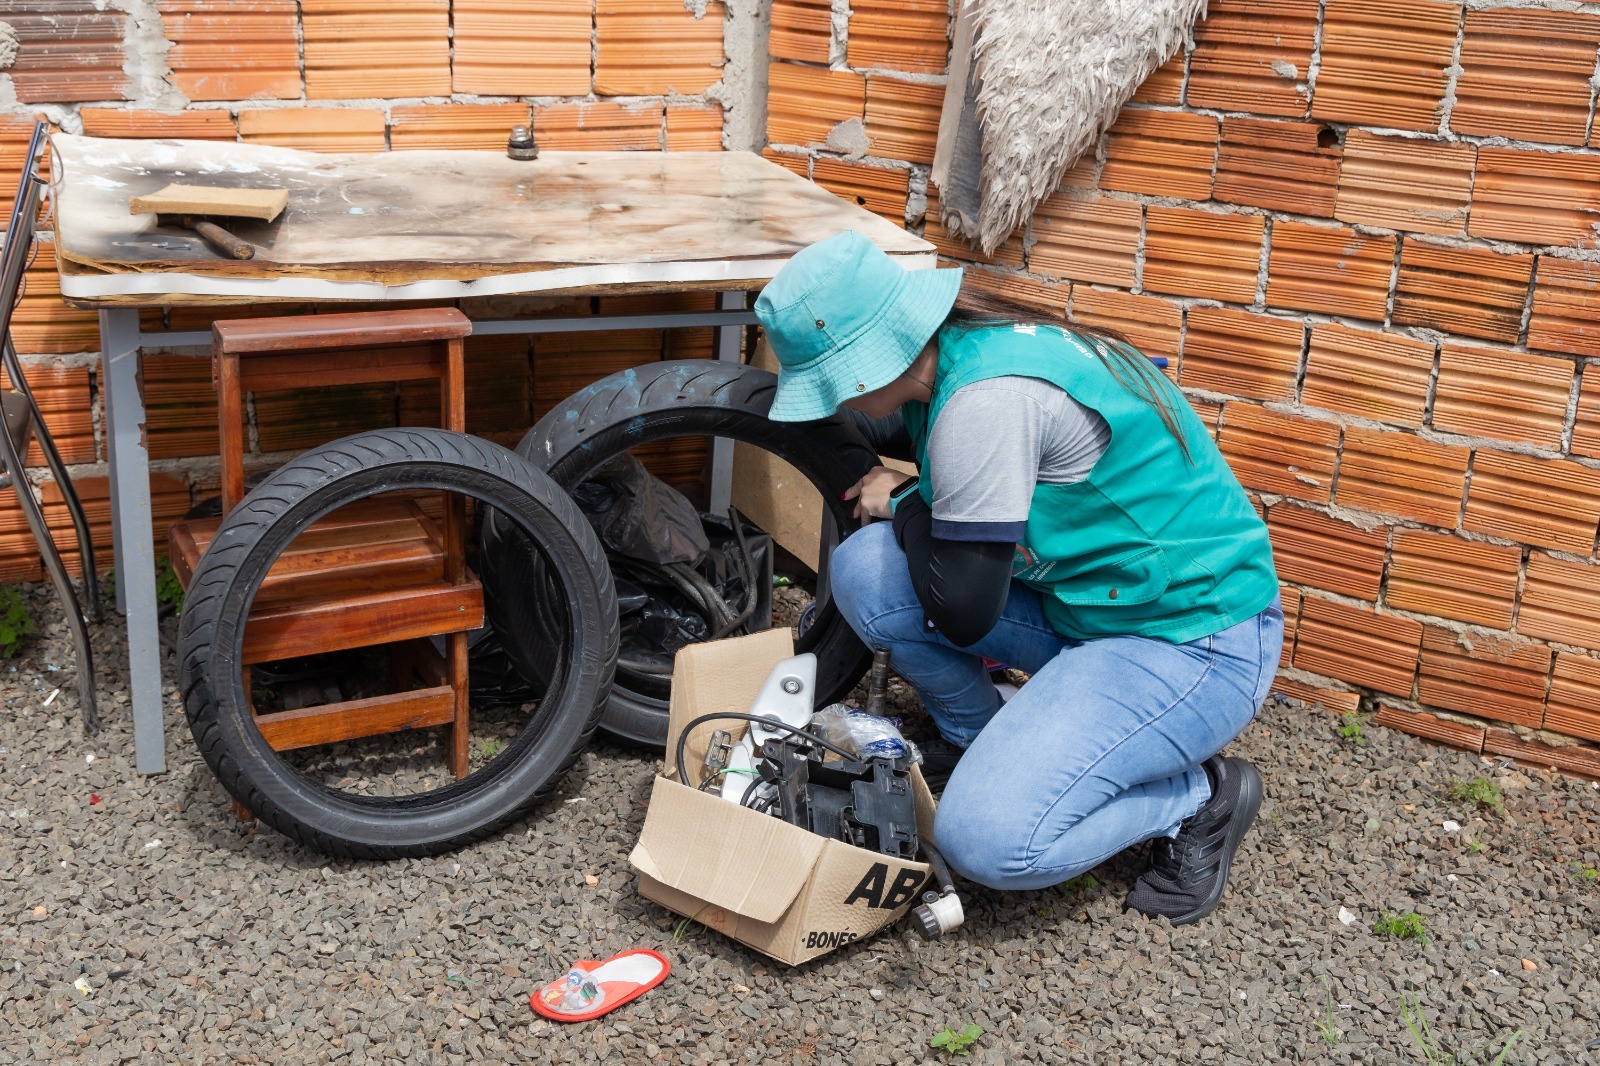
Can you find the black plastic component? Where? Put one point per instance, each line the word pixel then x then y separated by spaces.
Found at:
pixel 927 924
pixel 865 803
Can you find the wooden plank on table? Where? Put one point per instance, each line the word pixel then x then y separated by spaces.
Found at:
pixel 176 199
pixel 334 722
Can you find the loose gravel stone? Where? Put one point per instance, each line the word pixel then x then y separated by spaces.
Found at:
pixel 202 940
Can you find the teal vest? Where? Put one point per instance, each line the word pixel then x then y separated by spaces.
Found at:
pixel 1151 544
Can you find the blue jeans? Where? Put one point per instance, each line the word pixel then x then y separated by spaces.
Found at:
pixel 1100 750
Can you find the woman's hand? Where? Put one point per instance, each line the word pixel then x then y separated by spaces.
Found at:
pixel 872 492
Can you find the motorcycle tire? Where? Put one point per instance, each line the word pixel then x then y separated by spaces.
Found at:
pixel 678 398
pixel 580 605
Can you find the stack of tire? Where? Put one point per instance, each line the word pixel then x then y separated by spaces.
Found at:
pixel 548 594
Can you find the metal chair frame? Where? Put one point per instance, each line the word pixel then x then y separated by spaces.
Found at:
pixel 14 258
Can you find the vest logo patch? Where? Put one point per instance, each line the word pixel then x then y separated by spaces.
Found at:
pixel 1027 328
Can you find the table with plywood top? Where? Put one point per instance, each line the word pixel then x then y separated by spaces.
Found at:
pixel 403 226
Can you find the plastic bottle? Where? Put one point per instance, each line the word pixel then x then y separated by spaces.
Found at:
pixel 575 993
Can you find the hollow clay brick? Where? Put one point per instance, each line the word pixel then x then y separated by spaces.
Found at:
pixel 1430 727
pixel 362 49
pixel 1165 86
pixel 454 126
pixel 209 125
pixel 1280 454
pixel 1525 74
pixel 169 500
pixel 1491 392
pixel 1380 376
pixel 1095 240
pixel 1254 55
pixel 1561 601
pixel 1586 425
pixel 1357 645
pixel 1566 306
pixel 1476 292
pixel 1421 186
pixel 1451 577
pixel 598 127
pixel 1241 353
pixel 801 29
pixel 907 35
pixel 1202 254
pixel 1161 153
pixel 1489 677
pixel 1153 325
pixel 805 103
pixel 657 47
pixel 1311 548
pixel 1573 704
pixel 1400 474
pixel 1531 197
pixel 315 129
pixel 1317 697
pixel 1575 759
pixel 1291 167
pixel 1385 64
pixel 514 48
pixel 67 51
pixel 903 118
pixel 881 190
pixel 694 128
pixel 1330 269
pixel 233 49
pixel 1553 503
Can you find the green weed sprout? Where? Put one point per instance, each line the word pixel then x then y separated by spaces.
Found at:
pixel 16 624
pixel 1406 926
pixel 1480 790
pixel 1433 1053
pixel 957 1043
pixel 1326 1025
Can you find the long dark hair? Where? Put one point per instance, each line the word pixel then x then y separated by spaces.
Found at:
pixel 977 308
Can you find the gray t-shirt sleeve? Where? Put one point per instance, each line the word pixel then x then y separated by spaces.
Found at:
pixel 993 442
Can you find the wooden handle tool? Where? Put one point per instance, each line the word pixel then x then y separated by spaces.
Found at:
pixel 219 238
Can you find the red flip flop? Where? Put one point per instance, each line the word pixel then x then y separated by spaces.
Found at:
pixel 591 988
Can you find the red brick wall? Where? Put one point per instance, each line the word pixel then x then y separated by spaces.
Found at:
pixel 348 76
pixel 1365 233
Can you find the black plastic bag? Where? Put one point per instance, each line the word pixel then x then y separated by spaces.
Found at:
pixel 639 516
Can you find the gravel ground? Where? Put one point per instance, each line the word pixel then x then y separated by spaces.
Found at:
pixel 200 940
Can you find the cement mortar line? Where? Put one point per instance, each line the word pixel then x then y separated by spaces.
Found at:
pixel 1452 74
pixel 1341 127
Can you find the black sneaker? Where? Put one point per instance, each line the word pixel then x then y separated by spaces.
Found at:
pixel 1188 873
pixel 939 758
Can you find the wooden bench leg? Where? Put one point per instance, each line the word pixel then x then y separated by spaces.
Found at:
pixel 456 649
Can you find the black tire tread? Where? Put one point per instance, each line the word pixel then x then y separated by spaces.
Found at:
pixel 249 522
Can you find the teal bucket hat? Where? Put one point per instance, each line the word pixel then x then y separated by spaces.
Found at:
pixel 844 319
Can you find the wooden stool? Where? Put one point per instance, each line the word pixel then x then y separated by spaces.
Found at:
pixel 379 571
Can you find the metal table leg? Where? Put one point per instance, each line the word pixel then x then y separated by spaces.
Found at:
pixel 728 349
pixel 132 536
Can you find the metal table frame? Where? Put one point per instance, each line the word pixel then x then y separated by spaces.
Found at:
pixel 132 532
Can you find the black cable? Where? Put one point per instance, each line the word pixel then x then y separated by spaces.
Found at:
pixel 744 801
pixel 771 723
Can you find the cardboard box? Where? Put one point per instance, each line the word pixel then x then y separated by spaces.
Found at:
pixel 786 892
